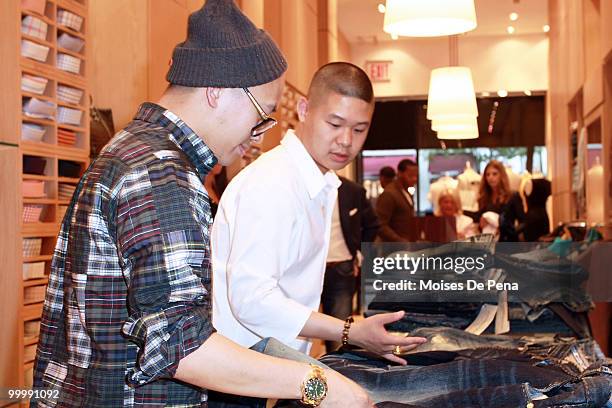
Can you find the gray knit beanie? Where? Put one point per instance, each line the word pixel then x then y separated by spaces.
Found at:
pixel 224 49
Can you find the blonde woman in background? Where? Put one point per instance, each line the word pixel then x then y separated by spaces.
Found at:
pixel 449 205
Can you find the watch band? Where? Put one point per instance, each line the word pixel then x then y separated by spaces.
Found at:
pixel 314 387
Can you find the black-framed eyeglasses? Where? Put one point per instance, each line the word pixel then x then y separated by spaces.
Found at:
pixel 266 122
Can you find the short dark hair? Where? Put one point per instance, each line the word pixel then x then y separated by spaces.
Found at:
pixel 343 78
pixel 387 172
pixel 405 163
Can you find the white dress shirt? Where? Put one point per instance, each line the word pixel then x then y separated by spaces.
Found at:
pixel 270 240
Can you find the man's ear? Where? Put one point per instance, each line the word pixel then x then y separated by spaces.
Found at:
pixel 212 96
pixel 302 108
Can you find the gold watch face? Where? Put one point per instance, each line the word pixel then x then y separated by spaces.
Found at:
pixel 315 389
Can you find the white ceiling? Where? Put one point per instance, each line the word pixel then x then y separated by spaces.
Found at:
pixel 360 22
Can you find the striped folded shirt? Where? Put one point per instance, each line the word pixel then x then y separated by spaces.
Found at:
pixel 34 27
pixel 69 95
pixel 69 116
pixel 67 19
pixel 33 84
pixel 35 51
pixel 68 63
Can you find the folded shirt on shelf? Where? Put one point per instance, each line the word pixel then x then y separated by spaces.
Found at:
pixel 33 84
pixel 36 108
pixel 33 188
pixel 34 294
pixel 69 116
pixel 32 132
pixel 35 270
pixel 68 63
pixel 34 27
pixel 34 51
pixel 65 191
pixel 70 43
pixel 67 19
pixel 66 140
pixel 31 247
pixel 69 94
pixel 32 212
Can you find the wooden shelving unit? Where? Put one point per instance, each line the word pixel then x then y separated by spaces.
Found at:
pixel 65 157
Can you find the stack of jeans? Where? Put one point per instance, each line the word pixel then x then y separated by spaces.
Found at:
pixel 457 369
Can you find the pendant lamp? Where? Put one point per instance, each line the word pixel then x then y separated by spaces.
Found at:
pixel 455 135
pixel 451 94
pixel 429 18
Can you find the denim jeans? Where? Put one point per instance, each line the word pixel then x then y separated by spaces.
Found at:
pixel 581 394
pixel 472 382
pixel 503 375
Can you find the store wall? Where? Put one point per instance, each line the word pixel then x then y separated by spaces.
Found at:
pixel 344 48
pixel 513 63
pixel 119 56
pixel 132 42
pixel 131 45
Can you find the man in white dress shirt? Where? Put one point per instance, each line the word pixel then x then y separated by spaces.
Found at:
pixel 271 235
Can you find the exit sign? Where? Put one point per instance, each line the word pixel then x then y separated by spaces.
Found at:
pixel 378 71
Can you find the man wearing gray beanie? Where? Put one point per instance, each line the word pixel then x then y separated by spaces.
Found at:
pixel 127 316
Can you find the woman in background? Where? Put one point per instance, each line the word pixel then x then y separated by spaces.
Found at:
pixel 493 195
pixel 449 205
pixel 500 208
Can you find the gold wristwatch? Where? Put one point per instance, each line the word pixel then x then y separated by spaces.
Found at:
pixel 314 387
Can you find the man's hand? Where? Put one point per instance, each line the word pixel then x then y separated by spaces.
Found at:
pixel 343 392
pixel 371 334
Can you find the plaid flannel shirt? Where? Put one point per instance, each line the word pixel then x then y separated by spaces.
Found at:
pixel 129 290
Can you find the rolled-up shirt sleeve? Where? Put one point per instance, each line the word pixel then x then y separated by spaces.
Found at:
pixel 163 242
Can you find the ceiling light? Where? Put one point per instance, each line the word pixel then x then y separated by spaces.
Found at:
pixel 527 92
pixel 451 103
pixel 394 36
pixel 546 28
pixel 502 93
pixel 431 18
pixel 381 8
pixel 513 16
pixel 451 93
pixel 466 124
pixel 458 135
pixel 510 30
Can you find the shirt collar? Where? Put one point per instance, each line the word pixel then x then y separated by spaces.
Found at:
pixel 180 133
pixel 310 172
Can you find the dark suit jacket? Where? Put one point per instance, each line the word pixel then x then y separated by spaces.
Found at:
pixel 395 213
pixel 357 217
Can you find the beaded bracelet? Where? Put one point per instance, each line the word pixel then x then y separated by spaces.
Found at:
pixel 345 332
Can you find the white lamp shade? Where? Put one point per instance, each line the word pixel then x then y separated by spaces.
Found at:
pixel 455 124
pixel 451 93
pixel 429 18
pixel 456 135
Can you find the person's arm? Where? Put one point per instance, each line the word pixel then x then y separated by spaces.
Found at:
pixel 385 205
pixel 222 365
pixel 368 333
